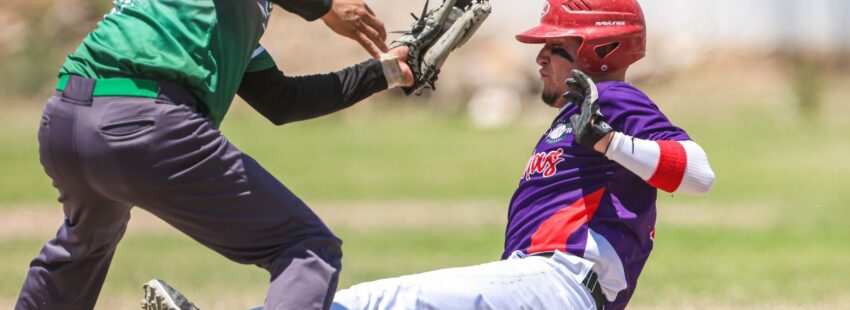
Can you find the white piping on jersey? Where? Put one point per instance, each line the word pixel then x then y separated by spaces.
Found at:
pixel 606 263
pixel 258 51
pixel 565 107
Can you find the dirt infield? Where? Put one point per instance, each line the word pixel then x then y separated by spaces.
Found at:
pixel 35 223
pixel 39 220
pixel 235 302
pixel 29 221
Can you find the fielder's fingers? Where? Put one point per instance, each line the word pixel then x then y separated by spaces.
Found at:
pixel 374 36
pixel 369 9
pixel 368 45
pixel 373 21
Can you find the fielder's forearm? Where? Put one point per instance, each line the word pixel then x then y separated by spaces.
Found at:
pixel 672 166
pixel 283 99
pixel 307 9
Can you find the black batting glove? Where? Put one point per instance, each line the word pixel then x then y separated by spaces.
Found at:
pixel 589 125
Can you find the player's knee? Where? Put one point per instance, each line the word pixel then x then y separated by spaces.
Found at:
pixel 379 294
pixel 320 251
pixel 330 249
pixel 92 239
pixel 453 296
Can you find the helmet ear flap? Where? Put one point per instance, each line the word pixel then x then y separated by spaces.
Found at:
pixel 604 50
pixel 589 59
pixel 600 56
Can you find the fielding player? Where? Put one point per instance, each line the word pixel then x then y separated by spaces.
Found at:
pixel 581 223
pixel 134 123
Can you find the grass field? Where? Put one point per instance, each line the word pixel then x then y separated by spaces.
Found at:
pixel 411 190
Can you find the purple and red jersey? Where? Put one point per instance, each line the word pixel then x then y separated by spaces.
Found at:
pixel 574 199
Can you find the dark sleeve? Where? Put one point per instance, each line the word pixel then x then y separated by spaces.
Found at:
pixel 307 9
pixel 284 99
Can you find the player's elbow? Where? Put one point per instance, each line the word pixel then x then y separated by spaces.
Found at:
pixel 704 185
pixel 277 114
pixel 709 183
pixel 278 121
pixel 699 177
pixel 697 184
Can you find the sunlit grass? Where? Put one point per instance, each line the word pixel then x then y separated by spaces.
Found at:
pixel 784 177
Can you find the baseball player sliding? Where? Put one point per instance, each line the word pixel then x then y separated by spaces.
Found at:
pixel 581 223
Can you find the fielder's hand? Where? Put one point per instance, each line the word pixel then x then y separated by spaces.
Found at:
pixel 401 53
pixel 355 20
pixel 589 125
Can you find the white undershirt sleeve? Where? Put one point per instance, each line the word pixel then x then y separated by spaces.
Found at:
pixel 672 166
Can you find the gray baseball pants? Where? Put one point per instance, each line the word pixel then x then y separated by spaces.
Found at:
pixel 108 154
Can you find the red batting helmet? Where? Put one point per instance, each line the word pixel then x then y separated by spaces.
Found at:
pixel 599 24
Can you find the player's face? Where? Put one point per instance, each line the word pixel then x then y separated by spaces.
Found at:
pixel 557 59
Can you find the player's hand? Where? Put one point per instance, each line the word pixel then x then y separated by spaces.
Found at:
pixel 589 126
pixel 402 53
pixel 355 20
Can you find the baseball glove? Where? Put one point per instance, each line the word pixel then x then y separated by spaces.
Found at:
pixel 436 34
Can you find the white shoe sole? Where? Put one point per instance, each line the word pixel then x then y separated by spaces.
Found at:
pixel 157 298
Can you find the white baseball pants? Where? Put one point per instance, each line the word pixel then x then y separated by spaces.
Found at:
pixel 520 282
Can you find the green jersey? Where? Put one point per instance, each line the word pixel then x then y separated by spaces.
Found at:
pixel 205 45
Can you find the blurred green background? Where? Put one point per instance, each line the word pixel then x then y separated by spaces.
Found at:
pixel 412 185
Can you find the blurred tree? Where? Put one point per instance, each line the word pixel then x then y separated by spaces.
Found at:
pixel 42 33
pixel 842 26
pixel 799 50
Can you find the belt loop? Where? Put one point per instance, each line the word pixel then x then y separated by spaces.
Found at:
pixel 78 90
pixel 170 92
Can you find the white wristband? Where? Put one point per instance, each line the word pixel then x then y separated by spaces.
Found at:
pixel 392 70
